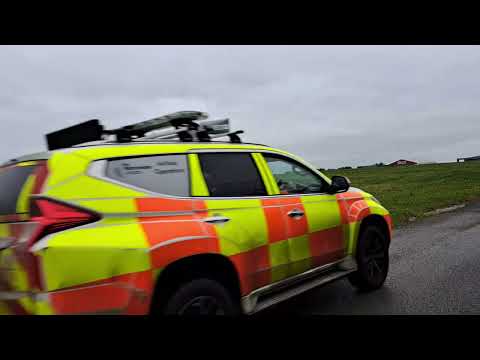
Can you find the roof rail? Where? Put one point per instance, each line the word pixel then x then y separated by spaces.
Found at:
pixel 182 126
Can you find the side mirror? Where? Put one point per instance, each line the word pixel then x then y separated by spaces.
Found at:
pixel 339 184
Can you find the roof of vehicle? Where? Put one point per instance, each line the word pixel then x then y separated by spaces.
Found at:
pixel 108 149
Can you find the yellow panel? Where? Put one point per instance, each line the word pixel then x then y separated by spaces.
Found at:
pixel 110 205
pixel 281 272
pixel 63 166
pixel 28 304
pixel 198 184
pixel 279 253
pixel 79 256
pixel 353 230
pixel 89 188
pixel 23 217
pixel 247 228
pixel 279 260
pixel 127 236
pixel 22 201
pixel 69 266
pixel 26 163
pixel 267 177
pixel 300 266
pixel 4 230
pixel 376 208
pixel 18 280
pixel 299 248
pixel 43 308
pixel 6 259
pixel 322 212
pixel 232 204
pixel 101 152
pixel 120 220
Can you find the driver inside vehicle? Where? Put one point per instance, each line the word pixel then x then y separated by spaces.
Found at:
pixel 293 178
pixel 283 187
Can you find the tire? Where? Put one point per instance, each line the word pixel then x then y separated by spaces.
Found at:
pixel 372 260
pixel 201 297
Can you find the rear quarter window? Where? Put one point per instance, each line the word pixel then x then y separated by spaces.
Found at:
pixel 12 180
pixel 163 174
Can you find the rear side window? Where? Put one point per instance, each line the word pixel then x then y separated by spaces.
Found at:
pixel 164 174
pixel 231 174
pixel 12 180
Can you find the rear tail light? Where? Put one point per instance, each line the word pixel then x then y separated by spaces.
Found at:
pixel 50 216
pixel 54 216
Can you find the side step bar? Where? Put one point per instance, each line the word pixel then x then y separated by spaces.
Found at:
pixel 285 289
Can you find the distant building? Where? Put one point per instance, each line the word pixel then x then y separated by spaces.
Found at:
pixel 472 158
pixel 402 162
pixel 369 166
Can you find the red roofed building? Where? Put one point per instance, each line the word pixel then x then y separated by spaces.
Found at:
pixel 402 162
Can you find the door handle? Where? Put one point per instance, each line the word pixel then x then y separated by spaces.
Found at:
pixel 216 220
pixel 295 213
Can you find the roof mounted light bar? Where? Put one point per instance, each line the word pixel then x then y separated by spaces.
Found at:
pixel 202 130
pixel 177 120
pixel 187 126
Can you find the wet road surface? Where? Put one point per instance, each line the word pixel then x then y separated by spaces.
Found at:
pixel 434 269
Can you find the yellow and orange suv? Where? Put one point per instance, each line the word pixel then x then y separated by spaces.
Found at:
pixel 177 224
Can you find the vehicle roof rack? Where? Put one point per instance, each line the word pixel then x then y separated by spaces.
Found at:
pixel 184 126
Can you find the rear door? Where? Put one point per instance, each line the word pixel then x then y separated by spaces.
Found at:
pixel 248 225
pixel 315 233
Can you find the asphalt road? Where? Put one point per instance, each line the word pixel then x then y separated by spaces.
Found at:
pixel 434 269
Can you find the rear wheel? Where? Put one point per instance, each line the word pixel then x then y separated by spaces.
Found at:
pixel 201 297
pixel 372 260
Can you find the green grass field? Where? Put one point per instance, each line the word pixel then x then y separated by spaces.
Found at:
pixel 410 191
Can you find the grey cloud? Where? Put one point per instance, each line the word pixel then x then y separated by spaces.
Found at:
pixel 334 105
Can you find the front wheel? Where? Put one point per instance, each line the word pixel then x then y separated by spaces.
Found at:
pixel 201 297
pixel 372 260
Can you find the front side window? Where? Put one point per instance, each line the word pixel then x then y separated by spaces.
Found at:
pixel 164 174
pixel 294 178
pixel 231 174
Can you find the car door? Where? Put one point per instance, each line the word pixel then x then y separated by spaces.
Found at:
pixel 314 229
pixel 238 210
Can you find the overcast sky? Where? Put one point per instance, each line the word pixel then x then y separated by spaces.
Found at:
pixel 333 105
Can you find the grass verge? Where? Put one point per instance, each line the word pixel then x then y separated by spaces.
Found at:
pixel 411 191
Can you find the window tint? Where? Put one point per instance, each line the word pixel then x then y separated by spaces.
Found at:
pixel 294 178
pixel 231 174
pixel 12 180
pixel 164 174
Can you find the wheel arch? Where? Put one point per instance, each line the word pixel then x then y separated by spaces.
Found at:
pixel 211 265
pixel 378 221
